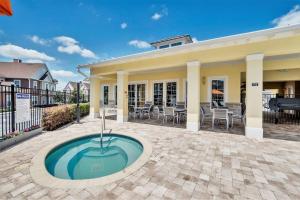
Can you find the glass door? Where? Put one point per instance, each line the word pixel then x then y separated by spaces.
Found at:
pixel 131 96
pixel 136 95
pixel 141 90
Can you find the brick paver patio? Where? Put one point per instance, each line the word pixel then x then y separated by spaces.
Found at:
pixel 183 165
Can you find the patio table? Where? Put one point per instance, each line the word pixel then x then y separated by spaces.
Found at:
pixel 178 111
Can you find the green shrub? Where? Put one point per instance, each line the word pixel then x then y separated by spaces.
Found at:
pixel 55 117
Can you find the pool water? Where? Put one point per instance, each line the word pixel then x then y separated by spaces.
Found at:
pixel 86 158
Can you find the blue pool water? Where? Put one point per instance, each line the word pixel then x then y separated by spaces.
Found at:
pixel 86 158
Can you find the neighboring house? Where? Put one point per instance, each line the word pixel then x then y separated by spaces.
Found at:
pixel 222 70
pixel 28 75
pixel 72 86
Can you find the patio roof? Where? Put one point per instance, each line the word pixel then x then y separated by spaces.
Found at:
pixel 233 40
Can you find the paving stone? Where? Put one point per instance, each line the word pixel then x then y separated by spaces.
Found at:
pixel 183 165
pixel 22 189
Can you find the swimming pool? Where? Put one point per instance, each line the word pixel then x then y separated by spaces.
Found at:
pixel 88 158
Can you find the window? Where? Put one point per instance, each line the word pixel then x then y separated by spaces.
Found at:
pixel 176 44
pixel 158 94
pixel 116 94
pixel 34 100
pixel 136 95
pixel 217 92
pixel 164 46
pixel 105 94
pixel 171 94
pixel 34 84
pixel 46 86
pixel 131 95
pixel 17 83
pixel 141 92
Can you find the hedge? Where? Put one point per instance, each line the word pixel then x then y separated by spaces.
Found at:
pixel 55 117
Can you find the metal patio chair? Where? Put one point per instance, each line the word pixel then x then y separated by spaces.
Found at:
pixel 220 115
pixel 204 114
pixel 239 116
pixel 168 112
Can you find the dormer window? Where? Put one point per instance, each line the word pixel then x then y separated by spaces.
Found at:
pixel 164 46
pixel 176 44
pixel 172 42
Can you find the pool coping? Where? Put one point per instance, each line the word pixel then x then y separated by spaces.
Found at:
pixel 41 176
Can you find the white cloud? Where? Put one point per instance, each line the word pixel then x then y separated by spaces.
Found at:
pixel 63 74
pixel 195 39
pixel 32 61
pixel 292 17
pixel 36 39
pixel 71 46
pixel 156 16
pixel 139 44
pixel 13 51
pixel 123 25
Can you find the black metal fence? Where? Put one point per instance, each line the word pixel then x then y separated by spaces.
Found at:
pixel 39 100
pixel 281 109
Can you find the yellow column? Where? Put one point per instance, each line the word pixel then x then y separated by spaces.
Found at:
pixel 122 82
pixel 254 88
pixel 94 97
pixel 193 96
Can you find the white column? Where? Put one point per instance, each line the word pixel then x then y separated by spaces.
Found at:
pixel 254 88
pixel 94 97
pixel 193 96
pixel 122 82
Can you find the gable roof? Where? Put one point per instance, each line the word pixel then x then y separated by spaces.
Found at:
pixel 72 85
pixel 38 71
pixel 19 70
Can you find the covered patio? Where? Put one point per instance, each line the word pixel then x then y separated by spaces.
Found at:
pixel 221 74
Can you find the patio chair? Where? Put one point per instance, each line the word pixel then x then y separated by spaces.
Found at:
pixel 204 114
pixel 111 108
pixel 220 114
pixel 147 109
pixel 215 104
pixel 156 111
pixel 240 116
pixel 133 112
pixel 168 112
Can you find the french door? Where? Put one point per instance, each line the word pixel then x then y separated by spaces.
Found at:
pixel 136 95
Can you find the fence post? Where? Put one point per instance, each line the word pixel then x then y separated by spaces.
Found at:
pixel 47 97
pixel 78 99
pixel 65 97
pixel 12 100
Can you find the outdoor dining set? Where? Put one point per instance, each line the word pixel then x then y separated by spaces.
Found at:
pixel 178 113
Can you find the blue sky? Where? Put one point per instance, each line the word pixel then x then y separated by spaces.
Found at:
pixel 70 32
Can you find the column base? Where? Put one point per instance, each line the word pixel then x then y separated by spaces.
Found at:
pixel 122 119
pixel 255 133
pixel 193 126
pixel 94 115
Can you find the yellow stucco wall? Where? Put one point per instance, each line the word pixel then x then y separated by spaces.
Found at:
pixel 231 71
